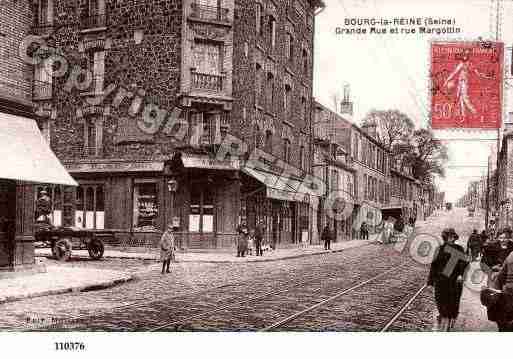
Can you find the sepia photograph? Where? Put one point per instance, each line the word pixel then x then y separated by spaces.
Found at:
pixel 303 168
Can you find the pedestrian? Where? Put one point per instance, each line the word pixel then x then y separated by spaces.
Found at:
pixel 364 231
pixel 167 248
pixel 388 230
pixel 448 285
pixel 326 237
pixel 474 245
pixel 242 239
pixel 504 282
pixel 259 237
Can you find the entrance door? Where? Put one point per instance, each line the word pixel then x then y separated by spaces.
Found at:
pixel 7 223
pixel 202 224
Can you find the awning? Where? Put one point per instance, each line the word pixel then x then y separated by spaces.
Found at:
pixel 25 155
pixel 280 187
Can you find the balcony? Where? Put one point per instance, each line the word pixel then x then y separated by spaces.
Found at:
pixel 209 13
pixel 93 21
pixel 42 90
pixel 207 82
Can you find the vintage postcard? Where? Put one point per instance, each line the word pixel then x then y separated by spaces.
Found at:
pixel 228 166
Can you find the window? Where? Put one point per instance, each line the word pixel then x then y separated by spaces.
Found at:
pixel 207 57
pixel 355 147
pixel 289 48
pixel 44 16
pixel 259 85
pixel 272 31
pixel 305 109
pixel 269 141
pixel 305 63
pixel 93 14
pixel 287 101
pixel 201 215
pixel 93 136
pixel 270 92
pixel 145 205
pixel 259 137
pixel 302 162
pixel 90 207
pixel 210 127
pixel 259 18
pixel 286 150
pixel 334 180
pixel 96 67
pixel 366 187
pixel 43 80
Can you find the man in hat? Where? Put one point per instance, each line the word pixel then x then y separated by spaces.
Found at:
pixel 259 237
pixel 43 207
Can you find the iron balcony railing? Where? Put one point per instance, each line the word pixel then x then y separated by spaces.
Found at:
pixel 210 82
pixel 42 28
pixel 42 90
pixel 92 21
pixel 209 13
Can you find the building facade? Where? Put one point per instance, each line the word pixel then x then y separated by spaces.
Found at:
pixel 154 89
pixel 406 193
pixel 333 165
pixel 19 131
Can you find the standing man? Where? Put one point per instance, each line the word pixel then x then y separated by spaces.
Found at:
pixel 242 239
pixel 259 237
pixel 326 237
pixel 474 245
pixel 364 231
pixel 43 207
pixel 504 282
pixel 167 248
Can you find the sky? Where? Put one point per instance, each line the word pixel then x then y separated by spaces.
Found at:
pixel 390 71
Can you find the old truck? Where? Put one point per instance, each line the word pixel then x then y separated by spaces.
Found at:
pixel 62 240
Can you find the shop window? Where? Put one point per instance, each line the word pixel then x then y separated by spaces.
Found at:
pixel 201 214
pixel 269 141
pixel 259 137
pixel 90 207
pixel 145 206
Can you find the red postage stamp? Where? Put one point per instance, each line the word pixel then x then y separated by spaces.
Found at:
pixel 466 84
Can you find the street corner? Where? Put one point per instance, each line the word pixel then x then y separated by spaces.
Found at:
pixel 59 280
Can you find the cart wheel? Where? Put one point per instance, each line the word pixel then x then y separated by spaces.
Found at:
pixel 95 248
pixel 62 249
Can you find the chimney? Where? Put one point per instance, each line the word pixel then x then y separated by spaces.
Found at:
pixel 346 105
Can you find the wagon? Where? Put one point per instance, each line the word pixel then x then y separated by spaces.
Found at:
pixel 62 240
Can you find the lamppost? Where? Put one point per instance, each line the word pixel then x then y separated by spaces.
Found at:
pixel 172 187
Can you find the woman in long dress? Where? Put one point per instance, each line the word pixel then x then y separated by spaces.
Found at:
pixel 448 280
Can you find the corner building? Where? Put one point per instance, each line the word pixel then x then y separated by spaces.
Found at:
pixel 242 68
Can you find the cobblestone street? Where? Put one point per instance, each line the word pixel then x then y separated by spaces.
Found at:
pixel 254 296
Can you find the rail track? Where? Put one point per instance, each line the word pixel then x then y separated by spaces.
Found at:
pixel 197 304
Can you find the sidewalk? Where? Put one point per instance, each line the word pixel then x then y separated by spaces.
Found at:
pixel 57 280
pixel 221 257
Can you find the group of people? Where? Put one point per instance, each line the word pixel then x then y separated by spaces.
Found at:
pixel 448 284
pixel 247 239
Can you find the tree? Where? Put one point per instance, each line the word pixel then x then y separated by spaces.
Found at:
pixel 426 155
pixel 392 126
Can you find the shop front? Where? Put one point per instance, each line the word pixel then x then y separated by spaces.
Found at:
pixel 25 159
pixel 281 202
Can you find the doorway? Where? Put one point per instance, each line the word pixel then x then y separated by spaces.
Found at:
pixel 7 223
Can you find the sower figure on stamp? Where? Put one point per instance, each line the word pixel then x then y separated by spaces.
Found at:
pixel 446 276
pixel 167 248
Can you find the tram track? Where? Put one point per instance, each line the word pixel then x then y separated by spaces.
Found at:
pixel 189 305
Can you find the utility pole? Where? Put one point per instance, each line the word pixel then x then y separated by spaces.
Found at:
pixel 487 195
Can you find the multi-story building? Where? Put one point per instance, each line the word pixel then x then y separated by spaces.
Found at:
pixel 25 156
pixel 332 164
pixel 234 67
pixel 406 194
pixel 501 190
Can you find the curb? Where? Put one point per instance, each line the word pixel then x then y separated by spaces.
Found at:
pixel 83 288
pixel 301 255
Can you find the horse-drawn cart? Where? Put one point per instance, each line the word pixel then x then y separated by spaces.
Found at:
pixel 62 240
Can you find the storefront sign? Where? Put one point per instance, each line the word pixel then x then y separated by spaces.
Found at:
pixel 196 161
pixel 466 84
pixel 115 167
pixel 287 196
